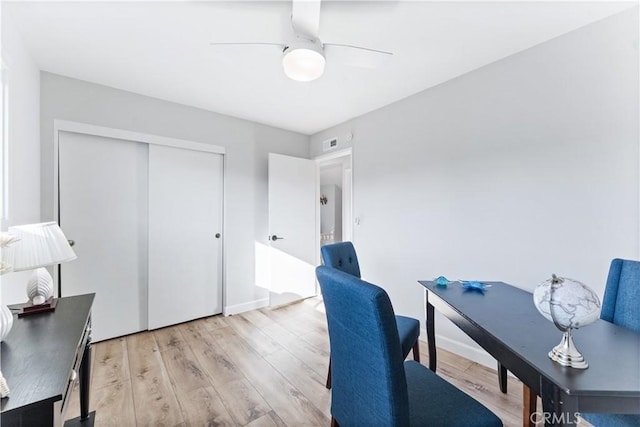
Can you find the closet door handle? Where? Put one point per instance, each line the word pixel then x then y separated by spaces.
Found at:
pixel 217 235
pixel 274 238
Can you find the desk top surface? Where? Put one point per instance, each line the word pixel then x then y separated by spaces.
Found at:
pixel 508 314
pixel 39 352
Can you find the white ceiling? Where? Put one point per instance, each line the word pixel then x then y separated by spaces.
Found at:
pixel 161 49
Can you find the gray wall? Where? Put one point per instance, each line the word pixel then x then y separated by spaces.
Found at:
pixel 247 145
pixel 523 168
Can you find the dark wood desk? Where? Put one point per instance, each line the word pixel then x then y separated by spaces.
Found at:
pixel 504 321
pixel 41 358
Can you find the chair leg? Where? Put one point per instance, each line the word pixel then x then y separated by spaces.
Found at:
pixel 328 384
pixel 502 377
pixel 334 423
pixel 416 351
pixel 529 403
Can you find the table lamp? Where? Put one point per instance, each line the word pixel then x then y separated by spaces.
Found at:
pixel 40 245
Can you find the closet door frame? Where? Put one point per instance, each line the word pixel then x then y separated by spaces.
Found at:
pixel 106 132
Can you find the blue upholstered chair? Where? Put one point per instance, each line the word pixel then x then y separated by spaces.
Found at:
pixel 342 256
pixel 620 305
pixel 371 384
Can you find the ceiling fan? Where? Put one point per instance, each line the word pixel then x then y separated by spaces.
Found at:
pixel 304 55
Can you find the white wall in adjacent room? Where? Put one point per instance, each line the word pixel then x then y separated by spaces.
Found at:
pixel 332 174
pixel 23 85
pixel 331 211
pixel 526 167
pixel 246 144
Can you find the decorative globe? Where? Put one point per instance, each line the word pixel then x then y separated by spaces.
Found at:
pixel 569 304
pixel 566 302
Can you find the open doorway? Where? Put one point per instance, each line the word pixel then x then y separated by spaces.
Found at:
pixel 335 172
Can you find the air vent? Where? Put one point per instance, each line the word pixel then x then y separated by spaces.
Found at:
pixel 329 144
pixel 332 143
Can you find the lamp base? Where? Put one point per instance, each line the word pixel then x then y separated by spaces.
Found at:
pixel 40 286
pixel 27 308
pixel 566 353
pixel 4 388
pixel 6 321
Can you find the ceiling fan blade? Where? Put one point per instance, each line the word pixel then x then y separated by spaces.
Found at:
pixel 305 17
pixel 247 44
pixel 356 56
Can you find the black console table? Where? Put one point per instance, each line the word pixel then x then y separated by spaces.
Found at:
pixel 42 357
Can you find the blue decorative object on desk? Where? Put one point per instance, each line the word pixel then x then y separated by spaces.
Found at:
pixel 474 285
pixel 441 281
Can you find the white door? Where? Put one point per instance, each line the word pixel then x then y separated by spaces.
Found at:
pixel 293 228
pixel 185 235
pixel 103 209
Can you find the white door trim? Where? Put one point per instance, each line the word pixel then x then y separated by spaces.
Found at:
pixel 127 135
pixel 77 127
pixel 336 154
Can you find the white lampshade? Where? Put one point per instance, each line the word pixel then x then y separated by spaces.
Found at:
pixel 7 250
pixel 40 245
pixel 303 61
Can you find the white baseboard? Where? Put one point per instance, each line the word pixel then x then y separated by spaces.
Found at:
pixel 246 306
pixel 477 355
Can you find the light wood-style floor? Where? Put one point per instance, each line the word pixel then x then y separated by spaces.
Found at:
pixel 262 368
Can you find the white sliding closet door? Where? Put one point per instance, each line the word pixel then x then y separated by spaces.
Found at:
pixel 185 242
pixel 103 208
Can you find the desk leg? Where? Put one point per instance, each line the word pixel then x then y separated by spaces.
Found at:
pixel 559 409
pixel 502 377
pixel 85 381
pixel 431 335
pixel 529 403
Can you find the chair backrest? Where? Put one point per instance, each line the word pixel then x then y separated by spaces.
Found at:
pixel 621 302
pixel 369 387
pixel 341 256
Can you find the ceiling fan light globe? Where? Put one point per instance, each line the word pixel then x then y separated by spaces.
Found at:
pixel 302 64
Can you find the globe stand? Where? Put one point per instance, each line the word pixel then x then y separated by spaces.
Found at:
pixel 567 354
